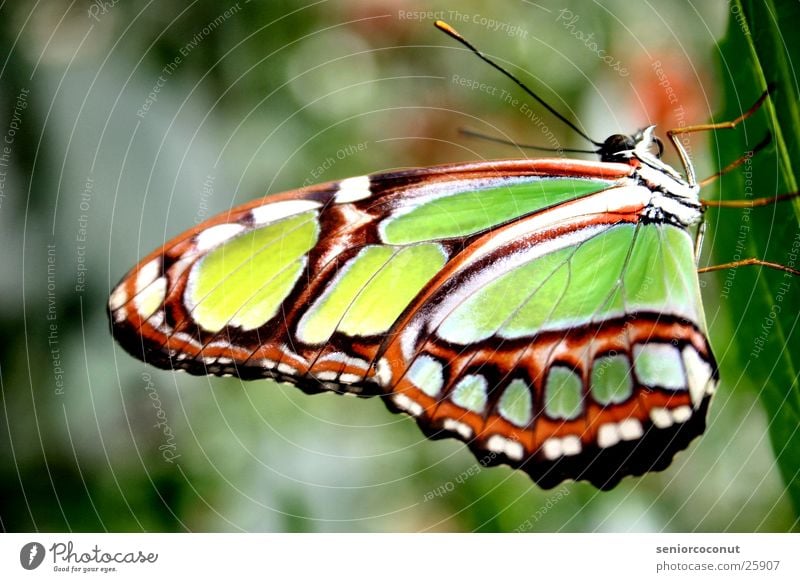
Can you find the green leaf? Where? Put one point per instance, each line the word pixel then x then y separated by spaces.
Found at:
pixel 764 352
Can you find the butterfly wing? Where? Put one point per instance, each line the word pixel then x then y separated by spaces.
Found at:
pixel 304 286
pixel 386 284
pixel 570 346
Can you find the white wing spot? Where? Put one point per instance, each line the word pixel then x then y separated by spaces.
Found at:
pixel 408 340
pixel 457 426
pixel 698 373
pixel 682 413
pixel 118 298
pixel 148 300
pixel 608 435
pixel 341 358
pixel 353 189
pixel 120 315
pixel 553 448
pixel 571 445
pixel 383 372
pixel 157 318
pixel 284 368
pixel 403 402
pixel 661 417
pixel 147 274
pixel 280 210
pixel 326 375
pixel 217 235
pixel 630 429
pixel 511 449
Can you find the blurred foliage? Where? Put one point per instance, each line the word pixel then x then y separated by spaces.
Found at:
pixel 758 51
pixel 124 146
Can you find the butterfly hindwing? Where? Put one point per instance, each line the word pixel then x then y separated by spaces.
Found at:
pixel 578 355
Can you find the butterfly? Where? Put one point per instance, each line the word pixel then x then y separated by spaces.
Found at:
pixel 546 312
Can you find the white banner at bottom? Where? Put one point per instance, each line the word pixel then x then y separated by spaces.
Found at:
pixel 390 557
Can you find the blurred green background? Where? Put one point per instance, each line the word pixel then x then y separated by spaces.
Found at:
pixel 131 122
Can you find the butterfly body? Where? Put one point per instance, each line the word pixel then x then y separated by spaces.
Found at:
pixel 546 312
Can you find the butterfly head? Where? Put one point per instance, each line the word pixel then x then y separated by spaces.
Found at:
pixel 621 147
pixel 646 150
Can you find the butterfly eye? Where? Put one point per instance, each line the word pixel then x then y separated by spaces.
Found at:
pixel 614 146
pixel 659 147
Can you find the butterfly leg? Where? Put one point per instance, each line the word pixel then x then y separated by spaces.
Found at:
pixel 739 161
pixel 698 239
pixel 752 203
pixel 673 134
pixel 749 262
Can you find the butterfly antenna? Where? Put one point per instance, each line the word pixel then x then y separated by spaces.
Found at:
pixel 525 146
pixel 453 33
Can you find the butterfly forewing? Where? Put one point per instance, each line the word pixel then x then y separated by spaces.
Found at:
pixel 525 307
pixel 298 272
